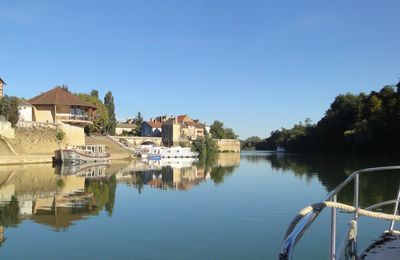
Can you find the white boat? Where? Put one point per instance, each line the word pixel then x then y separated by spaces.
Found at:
pixel 157 153
pixel 82 154
pixel 280 149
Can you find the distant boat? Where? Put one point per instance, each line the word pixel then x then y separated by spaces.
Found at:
pixel 82 154
pixel 280 149
pixel 158 153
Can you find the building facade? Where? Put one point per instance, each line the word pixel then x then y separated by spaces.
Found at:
pixel 151 129
pixel 58 105
pixel 25 111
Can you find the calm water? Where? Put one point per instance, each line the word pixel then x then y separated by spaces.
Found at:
pixel 232 207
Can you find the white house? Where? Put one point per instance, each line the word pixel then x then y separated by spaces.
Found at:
pixel 25 111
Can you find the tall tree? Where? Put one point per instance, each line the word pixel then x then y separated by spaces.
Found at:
pixel 94 93
pixel 138 122
pixel 110 105
pixel 217 130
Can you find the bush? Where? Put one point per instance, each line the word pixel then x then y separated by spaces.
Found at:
pixel 9 109
pixel 60 135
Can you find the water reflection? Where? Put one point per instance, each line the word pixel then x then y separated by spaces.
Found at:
pixel 179 174
pixel 331 170
pixel 58 197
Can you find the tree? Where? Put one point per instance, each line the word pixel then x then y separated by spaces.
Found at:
pixel 94 93
pixel 138 122
pixel 217 130
pixel 229 134
pixel 109 104
pixel 101 120
pixel 9 109
pixel 251 142
pixel 366 124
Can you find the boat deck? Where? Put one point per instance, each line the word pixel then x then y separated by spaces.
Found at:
pixel 387 247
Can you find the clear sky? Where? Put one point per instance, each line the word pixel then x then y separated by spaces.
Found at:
pixel 255 65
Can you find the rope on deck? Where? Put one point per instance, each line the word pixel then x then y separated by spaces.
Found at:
pixel 347 208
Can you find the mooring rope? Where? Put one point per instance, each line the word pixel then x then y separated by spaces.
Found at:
pixel 341 206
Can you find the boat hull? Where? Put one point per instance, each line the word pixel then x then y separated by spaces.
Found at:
pixel 72 157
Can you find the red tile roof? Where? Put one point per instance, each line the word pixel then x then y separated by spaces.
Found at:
pixel 59 96
pixel 194 124
pixel 181 118
pixel 155 124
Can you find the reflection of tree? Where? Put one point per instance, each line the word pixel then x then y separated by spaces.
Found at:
pixel 218 172
pixel 9 213
pixel 331 170
pixel 210 164
pixel 103 192
pixel 8 217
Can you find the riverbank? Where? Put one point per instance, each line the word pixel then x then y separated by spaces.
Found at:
pixel 20 157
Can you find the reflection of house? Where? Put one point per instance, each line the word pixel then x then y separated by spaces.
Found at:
pixel 124 127
pixel 151 129
pixel 25 111
pixel 58 105
pixel 2 83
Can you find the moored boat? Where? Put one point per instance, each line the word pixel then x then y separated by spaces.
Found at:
pixel 82 154
pixel 157 153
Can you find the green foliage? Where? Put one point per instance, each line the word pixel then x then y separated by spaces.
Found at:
pixel 138 122
pixel 9 109
pixel 9 213
pixel 110 105
pixel 250 143
pixel 353 124
pixel 103 191
pixel 101 120
pixel 60 135
pixel 218 131
pixel 205 146
pixel 94 93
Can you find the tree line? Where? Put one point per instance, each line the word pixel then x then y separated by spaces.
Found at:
pixel 359 124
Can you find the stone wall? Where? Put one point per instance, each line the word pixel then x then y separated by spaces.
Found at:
pixel 74 135
pixel 36 140
pixel 228 145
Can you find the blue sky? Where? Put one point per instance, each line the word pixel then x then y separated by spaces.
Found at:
pixel 255 65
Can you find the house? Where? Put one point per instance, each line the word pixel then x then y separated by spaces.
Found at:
pixel 2 84
pixel 182 129
pixel 58 105
pixel 171 132
pixel 151 128
pixel 25 111
pixel 124 127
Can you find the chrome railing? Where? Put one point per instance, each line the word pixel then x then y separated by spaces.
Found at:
pixel 294 235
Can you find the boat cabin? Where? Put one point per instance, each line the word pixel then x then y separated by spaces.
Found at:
pixel 93 150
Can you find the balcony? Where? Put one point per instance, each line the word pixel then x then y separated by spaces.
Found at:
pixel 74 119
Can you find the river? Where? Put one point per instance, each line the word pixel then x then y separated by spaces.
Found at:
pixel 235 206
